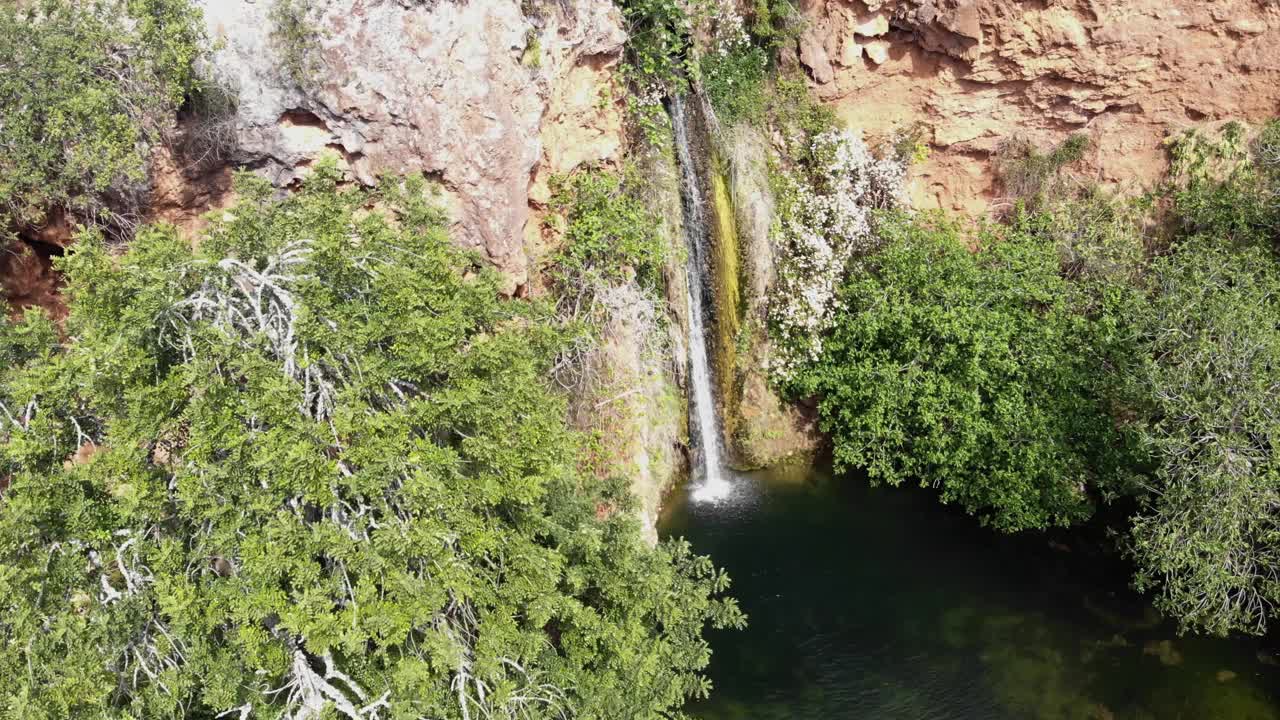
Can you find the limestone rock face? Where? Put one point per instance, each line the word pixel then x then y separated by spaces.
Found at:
pixel 487 97
pixel 973 72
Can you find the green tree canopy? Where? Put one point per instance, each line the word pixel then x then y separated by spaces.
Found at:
pixel 85 88
pixel 313 470
pixel 979 373
pixel 1207 539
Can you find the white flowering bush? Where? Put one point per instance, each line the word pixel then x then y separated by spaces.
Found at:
pixel 733 70
pixel 825 221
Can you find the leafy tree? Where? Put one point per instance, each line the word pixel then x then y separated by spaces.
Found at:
pixel 609 234
pixel 313 470
pixel 974 372
pixel 85 87
pixel 1207 539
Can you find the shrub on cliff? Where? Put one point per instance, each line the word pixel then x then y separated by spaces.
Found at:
pixel 1033 178
pixel 1207 538
pixel 609 234
pixel 295 36
pixel 1225 184
pixel 608 270
pixel 973 372
pixel 313 469
pixel 659 56
pixel 733 72
pixel 84 89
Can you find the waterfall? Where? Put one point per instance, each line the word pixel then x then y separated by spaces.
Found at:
pixel 710 483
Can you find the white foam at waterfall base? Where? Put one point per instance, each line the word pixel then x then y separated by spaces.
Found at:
pixel 710 483
pixel 712 489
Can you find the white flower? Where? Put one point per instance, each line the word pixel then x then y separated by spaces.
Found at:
pixel 823 232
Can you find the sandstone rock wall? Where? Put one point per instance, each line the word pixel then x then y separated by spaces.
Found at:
pixel 1125 72
pixel 488 97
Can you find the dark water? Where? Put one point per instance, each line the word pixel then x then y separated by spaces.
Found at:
pixel 880 604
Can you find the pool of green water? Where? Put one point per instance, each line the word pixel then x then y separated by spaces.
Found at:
pixel 881 604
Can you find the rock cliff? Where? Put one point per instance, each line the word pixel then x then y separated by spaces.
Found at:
pixel 974 72
pixel 491 98
pixel 487 98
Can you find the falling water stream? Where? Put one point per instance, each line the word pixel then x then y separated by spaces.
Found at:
pixel 709 477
